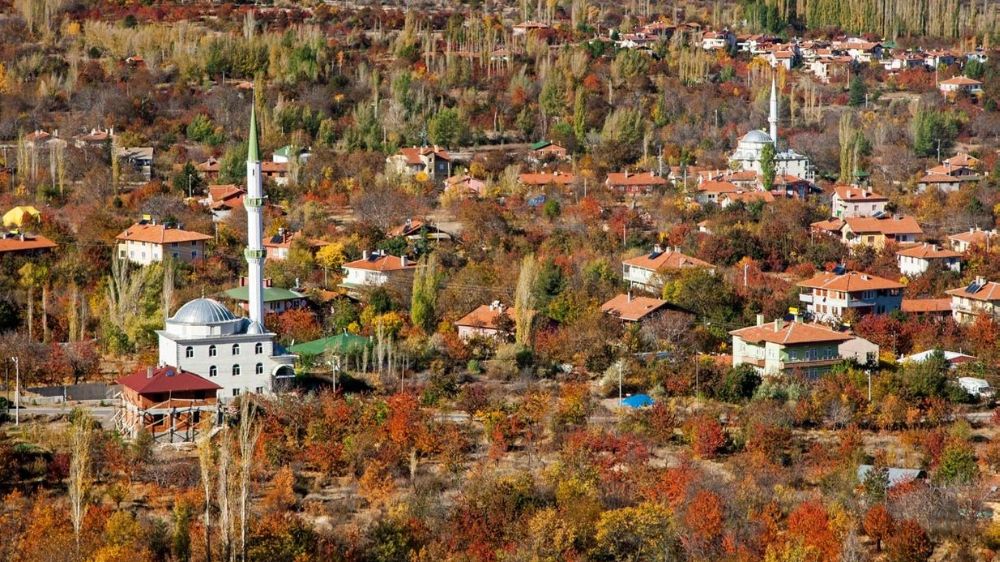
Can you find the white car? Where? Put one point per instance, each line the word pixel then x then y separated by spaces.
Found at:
pixel 976 387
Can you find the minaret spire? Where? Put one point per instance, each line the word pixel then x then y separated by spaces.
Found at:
pixel 773 118
pixel 254 202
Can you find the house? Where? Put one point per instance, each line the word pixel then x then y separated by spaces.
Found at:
pixel 96 138
pixel 953 358
pixel 854 201
pixel 376 269
pixel 547 150
pixel 168 402
pixel 745 197
pixel 465 186
pixel 831 67
pixel 932 308
pixel 223 199
pixel 964 241
pixel 829 296
pixel 430 160
pixel 276 299
pixel 284 154
pixel 963 160
pixel 626 183
pixel 914 261
pixel 948 177
pixel 280 244
pixel 633 308
pixel 146 242
pixel 527 27
pixel 960 85
pixel 831 227
pixel 275 171
pixel 209 169
pixel 713 191
pixel 644 271
pixel 492 320
pixel 779 57
pixel 715 40
pixel 140 158
pixel 859 49
pixel 979 298
pixel 904 61
pixel 18 242
pixel 781 348
pixel 942 182
pixel 545 179
pixel 859 350
pixel 876 231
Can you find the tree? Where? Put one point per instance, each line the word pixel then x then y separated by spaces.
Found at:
pixel 187 180
pixel 739 384
pixel 705 519
pixel 80 435
pixel 248 434
pixel 811 523
pixel 858 92
pixel 634 534
pixel 879 524
pixel 909 543
pixel 299 324
pixel 958 465
pixel 206 460
pixel 423 299
pixel 524 301
pixel 32 275
pixel 706 436
pixel 767 166
pixel 445 128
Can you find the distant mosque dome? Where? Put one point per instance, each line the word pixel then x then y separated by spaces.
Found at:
pixel 756 136
pixel 202 311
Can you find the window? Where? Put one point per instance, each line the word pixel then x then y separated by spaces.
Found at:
pixel 236 349
pixel 211 351
pixel 236 392
pixel 212 371
pixel 259 369
pixel 260 390
pixel 236 370
pixel 189 352
pixel 258 348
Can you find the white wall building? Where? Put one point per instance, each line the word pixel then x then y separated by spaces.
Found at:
pixel 829 296
pixel 146 242
pixel 854 201
pixel 747 155
pixel 916 260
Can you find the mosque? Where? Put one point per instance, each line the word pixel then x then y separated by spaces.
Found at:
pixel 205 338
pixel 787 162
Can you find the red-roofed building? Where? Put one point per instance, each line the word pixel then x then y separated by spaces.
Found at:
pixel 431 160
pixel 16 242
pixel 781 348
pixel 979 298
pixel 876 232
pixel 167 402
pixel 492 320
pixel 960 85
pixel 914 261
pixel 643 271
pixel 854 201
pixel 376 269
pixel 146 242
pixel 940 308
pixel 830 296
pixel 633 308
pixel 626 183
pixel 964 241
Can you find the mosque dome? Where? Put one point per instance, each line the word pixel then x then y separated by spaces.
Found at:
pixel 202 311
pixel 756 136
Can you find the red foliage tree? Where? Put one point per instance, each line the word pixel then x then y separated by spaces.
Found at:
pixel 299 324
pixel 706 436
pixel 879 525
pixel 810 522
pixel 909 543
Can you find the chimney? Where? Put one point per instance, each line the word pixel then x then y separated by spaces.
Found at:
pixel 760 319
pixel 149 372
pixel 402 261
pixel 980 280
pixel 657 249
pixel 364 255
pixel 779 324
pixel 629 296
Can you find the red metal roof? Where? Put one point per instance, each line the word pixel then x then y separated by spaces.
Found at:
pixel 165 379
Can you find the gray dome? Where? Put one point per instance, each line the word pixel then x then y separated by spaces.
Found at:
pixel 756 136
pixel 202 311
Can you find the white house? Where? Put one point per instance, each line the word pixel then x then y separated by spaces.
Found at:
pixel 492 320
pixel 979 298
pixel 643 271
pixel 146 242
pixel 960 84
pixel 854 201
pixel 830 296
pixel 780 347
pixel 916 260
pixel 964 241
pixel 376 269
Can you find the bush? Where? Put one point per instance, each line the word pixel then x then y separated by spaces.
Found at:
pixel 739 384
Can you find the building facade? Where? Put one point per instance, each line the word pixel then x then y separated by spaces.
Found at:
pixel 829 296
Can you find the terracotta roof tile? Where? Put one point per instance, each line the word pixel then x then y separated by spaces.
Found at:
pixel 665 260
pixel 849 282
pixel 893 225
pixel 632 308
pixel 989 292
pixel 916 306
pixel 159 234
pixel 791 333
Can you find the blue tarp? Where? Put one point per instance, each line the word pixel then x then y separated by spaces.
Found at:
pixel 637 401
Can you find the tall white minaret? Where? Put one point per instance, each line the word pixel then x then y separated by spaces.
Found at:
pixel 254 202
pixel 773 119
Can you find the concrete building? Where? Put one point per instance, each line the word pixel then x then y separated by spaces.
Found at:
pixel 877 231
pixel 643 271
pixel 492 320
pixel 979 298
pixel 830 296
pixel 630 308
pixel 146 242
pixel 854 201
pixel 750 149
pixel 965 241
pixel 914 261
pixel 433 161
pixel 781 348
pixel 376 269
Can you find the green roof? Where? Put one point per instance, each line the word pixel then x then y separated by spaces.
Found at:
pixel 540 145
pixel 341 342
pixel 271 294
pixel 284 151
pixel 253 154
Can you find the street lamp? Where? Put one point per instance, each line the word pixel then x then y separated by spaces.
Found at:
pixel 17 390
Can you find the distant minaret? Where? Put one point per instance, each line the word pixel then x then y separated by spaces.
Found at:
pixel 773 119
pixel 254 201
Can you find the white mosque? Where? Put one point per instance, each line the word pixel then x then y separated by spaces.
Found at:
pixel 205 338
pixel 786 162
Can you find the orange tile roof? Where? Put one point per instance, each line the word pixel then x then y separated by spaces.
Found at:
pixel 854 193
pixel 893 225
pixel 665 260
pixel 989 292
pixel 790 333
pixel 414 153
pixel 962 81
pixel 545 178
pixel 928 252
pixel 632 309
pixel 718 187
pixel 950 170
pixel 916 306
pixel 381 263
pixel 274 167
pixel 159 234
pixel 849 282
pixel 972 237
pixel 13 243
pixel 626 178
pixel 829 225
pixel 748 196
pixel 485 316
pixel 963 159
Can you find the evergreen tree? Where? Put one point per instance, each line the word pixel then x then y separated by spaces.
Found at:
pixel 767 166
pixel 858 92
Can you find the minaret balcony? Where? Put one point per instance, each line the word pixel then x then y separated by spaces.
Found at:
pixel 253 202
pixel 251 254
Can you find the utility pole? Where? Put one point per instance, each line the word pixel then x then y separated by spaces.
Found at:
pixel 17 390
pixel 621 364
pixel 869 373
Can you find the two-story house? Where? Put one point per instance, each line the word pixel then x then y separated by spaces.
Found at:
pixel 877 231
pixel 626 183
pixel 631 308
pixel 829 296
pixel 960 85
pixel 781 348
pixel 914 261
pixel 431 160
pixel 854 201
pixel 964 241
pixel 146 242
pixel 979 298
pixel 492 320
pixel 644 271
pixel 376 269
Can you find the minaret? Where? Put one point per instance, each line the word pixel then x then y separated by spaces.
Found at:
pixel 254 201
pixel 773 119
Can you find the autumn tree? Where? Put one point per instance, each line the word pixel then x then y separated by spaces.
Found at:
pixel 909 543
pixel 879 524
pixel 423 299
